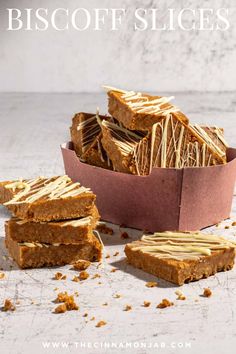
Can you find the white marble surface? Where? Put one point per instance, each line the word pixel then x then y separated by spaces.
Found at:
pixel 32 127
pixel 72 61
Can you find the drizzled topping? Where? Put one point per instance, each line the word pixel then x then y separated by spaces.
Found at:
pixel 125 139
pixel 75 223
pixel 89 128
pixel 182 245
pixel 142 103
pixel 207 139
pixel 18 185
pixel 48 189
pixel 173 146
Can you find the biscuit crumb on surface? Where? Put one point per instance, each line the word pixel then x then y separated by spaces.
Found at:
pixel 59 276
pixel 76 279
pixel 151 284
pixel 114 270
pixel 96 276
pixel 85 314
pixel 92 318
pixel 83 275
pixel 233 223
pixel 8 305
pixel 207 292
pixel 2 275
pixel 146 303
pixel 164 303
pixel 68 303
pixel 180 295
pixel 124 235
pixel 104 229
pixel 227 227
pixel 116 253
pixel 81 264
pixel 101 323
pixel 107 256
pixel 117 296
pixel 105 304
pixel 128 308
pixel 60 308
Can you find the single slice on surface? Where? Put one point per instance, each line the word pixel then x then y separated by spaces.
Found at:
pixel 63 232
pixel 139 111
pixel 35 254
pixel 48 199
pixel 86 139
pixel 181 257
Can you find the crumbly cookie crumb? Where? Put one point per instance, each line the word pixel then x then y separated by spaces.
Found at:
pixel 96 276
pixel 180 295
pixel 60 308
pixel 83 275
pixel 164 303
pixel 81 264
pixel 207 292
pixel 116 253
pixel 114 270
pixel 124 235
pixel 59 276
pixel 117 296
pixel 2 275
pixel 104 229
pixel 146 303
pixel 68 303
pixel 233 223
pixel 151 284
pixel 76 279
pixel 101 323
pixel 8 305
pixel 128 308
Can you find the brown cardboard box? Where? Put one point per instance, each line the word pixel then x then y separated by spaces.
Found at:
pixel 167 199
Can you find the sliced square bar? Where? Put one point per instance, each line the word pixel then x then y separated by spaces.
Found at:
pixel 35 254
pixel 63 232
pixel 48 199
pixel 181 257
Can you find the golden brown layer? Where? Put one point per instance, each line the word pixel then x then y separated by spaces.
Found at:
pixel 63 232
pixel 30 255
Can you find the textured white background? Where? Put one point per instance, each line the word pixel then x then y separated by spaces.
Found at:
pixel 82 61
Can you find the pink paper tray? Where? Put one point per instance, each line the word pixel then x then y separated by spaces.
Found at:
pixel 167 199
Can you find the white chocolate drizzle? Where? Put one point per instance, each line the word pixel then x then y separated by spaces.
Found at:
pixel 123 138
pixel 49 189
pixel 140 103
pixel 182 245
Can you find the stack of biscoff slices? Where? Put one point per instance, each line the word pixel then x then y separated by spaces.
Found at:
pixel 144 132
pixel 53 222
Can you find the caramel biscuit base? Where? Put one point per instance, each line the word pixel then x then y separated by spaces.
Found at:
pixel 139 111
pixel 63 232
pixel 35 254
pixel 181 257
pixel 48 199
pixel 86 138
